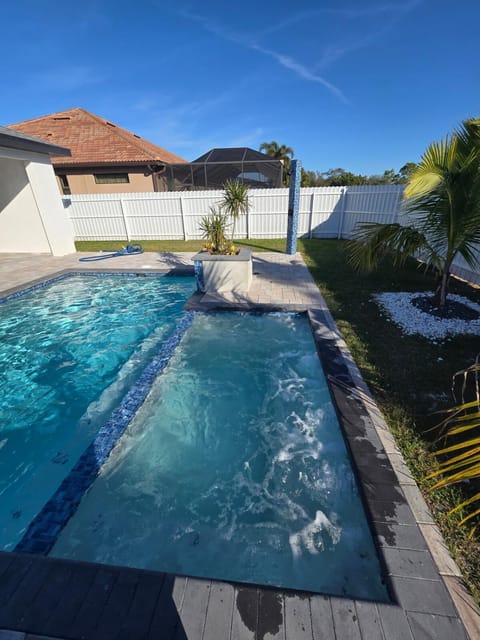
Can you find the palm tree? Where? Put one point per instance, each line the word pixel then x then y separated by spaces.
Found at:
pixel 279 152
pixel 442 210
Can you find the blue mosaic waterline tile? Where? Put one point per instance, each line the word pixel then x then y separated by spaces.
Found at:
pixel 199 280
pixel 45 528
pixel 293 206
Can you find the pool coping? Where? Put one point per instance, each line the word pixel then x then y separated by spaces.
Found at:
pixel 425 599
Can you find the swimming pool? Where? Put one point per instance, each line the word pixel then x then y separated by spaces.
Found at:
pixel 69 351
pixel 234 468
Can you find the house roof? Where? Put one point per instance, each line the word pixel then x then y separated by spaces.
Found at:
pixel 17 140
pixel 93 140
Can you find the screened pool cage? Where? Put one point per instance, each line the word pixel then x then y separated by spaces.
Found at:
pixel 214 168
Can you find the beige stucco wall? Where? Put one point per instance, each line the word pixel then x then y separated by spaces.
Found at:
pixel 21 228
pixel 32 216
pixel 55 218
pixel 85 183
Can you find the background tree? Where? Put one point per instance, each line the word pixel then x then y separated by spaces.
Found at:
pixel 341 178
pixel 279 152
pixel 406 171
pixel 442 212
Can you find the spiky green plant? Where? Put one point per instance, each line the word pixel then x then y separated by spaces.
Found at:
pixel 442 212
pixel 460 462
pixel 214 230
pixel 235 201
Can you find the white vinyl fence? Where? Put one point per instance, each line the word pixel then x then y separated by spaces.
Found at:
pixel 325 212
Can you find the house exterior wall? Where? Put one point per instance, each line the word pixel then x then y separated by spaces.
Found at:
pixel 32 216
pixel 83 181
pixel 21 228
pixel 55 218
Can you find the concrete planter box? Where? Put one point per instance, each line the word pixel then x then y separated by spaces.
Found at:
pixel 220 274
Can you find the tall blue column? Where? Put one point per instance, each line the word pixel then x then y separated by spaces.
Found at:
pixel 293 206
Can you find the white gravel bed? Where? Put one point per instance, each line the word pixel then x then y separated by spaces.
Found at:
pixel 412 320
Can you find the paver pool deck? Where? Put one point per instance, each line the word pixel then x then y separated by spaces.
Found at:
pixel 45 597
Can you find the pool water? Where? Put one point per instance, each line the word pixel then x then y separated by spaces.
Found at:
pixel 234 468
pixel 68 353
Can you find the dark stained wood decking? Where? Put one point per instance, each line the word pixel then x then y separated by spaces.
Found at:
pixel 81 601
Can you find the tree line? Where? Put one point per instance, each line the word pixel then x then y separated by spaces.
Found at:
pixel 339 177
pixel 334 177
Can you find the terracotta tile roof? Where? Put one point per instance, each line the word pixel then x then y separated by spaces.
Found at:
pixel 93 140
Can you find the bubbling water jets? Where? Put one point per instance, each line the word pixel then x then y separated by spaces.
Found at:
pixel 312 537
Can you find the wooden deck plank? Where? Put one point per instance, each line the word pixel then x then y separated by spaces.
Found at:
pixel 13 576
pixel 245 613
pixel 117 607
pixel 143 607
pixel 394 622
pixel 166 619
pixel 12 612
pixel 62 617
pixel 6 560
pixel 322 618
pixel 298 622
pixel 48 598
pixel 193 610
pixel 345 619
pixel 369 620
pixel 92 606
pixel 271 615
pixel 218 622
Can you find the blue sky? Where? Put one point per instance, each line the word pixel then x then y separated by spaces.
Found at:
pixel 361 84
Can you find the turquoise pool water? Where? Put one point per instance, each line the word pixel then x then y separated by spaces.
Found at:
pixel 68 353
pixel 234 468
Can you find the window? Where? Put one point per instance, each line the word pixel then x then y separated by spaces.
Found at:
pixel 111 178
pixel 65 186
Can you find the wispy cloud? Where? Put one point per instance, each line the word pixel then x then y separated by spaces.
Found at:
pixel 302 71
pixel 394 9
pixel 331 53
pixel 285 61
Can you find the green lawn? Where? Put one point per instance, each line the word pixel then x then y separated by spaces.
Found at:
pixel 410 377
pixel 176 245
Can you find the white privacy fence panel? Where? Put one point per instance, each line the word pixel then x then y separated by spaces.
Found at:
pixel 325 212
pixel 461 268
pixel 370 204
pixel 104 220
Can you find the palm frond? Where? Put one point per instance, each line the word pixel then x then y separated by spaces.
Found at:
pixel 467 502
pixel 459 445
pixel 469 467
pixel 461 420
pixel 370 242
pixel 430 172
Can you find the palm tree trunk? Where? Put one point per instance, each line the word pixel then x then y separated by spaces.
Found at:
pixel 444 288
pixel 441 291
